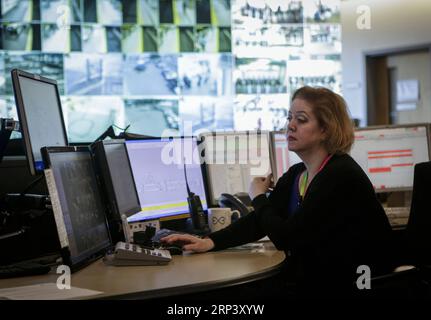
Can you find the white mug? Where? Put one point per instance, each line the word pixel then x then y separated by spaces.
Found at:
pixel 219 218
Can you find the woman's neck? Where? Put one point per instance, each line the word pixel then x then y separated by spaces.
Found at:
pixel 313 160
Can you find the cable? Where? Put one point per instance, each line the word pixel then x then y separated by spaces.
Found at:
pixel 31 185
pixel 124 130
pixel 187 183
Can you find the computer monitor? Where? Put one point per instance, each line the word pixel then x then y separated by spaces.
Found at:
pixel 233 159
pixel 388 154
pixel 79 212
pixel 158 172
pixel 39 111
pixel 116 178
pixel 282 159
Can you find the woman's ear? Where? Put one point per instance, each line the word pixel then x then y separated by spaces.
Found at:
pixel 323 131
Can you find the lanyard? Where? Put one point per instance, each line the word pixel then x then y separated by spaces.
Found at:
pixel 304 178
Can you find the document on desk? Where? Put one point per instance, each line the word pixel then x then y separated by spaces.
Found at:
pixel 45 291
pixel 257 246
pixel 264 239
pixel 253 246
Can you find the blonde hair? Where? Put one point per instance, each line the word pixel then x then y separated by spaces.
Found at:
pixel 331 112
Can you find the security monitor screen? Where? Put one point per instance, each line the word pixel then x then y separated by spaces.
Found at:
pixel 233 159
pixel 158 170
pixel 81 205
pixel 388 155
pixel 122 178
pixel 42 110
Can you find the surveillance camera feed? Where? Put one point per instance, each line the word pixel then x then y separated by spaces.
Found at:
pixel 152 65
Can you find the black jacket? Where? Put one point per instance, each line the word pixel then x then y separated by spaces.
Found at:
pixel 339 226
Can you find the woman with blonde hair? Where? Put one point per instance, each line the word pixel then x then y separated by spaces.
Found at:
pixel 323 212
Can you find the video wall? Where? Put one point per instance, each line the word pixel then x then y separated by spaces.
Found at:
pixel 158 64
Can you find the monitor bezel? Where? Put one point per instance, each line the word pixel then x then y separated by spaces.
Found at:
pixel 174 216
pixel 272 153
pixel 399 126
pixel 22 115
pixel 78 262
pixel 99 156
pixel 210 197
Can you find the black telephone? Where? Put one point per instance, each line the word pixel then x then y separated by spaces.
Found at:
pixel 239 201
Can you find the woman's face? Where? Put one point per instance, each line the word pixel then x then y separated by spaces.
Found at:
pixel 303 132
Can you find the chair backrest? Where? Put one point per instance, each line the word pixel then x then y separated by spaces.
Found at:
pixel 418 231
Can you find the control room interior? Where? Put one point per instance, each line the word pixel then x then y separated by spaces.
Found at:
pixel 146 114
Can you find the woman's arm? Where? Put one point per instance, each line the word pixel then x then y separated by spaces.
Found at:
pixel 246 229
pixel 249 228
pixel 242 231
pixel 276 226
pixel 189 242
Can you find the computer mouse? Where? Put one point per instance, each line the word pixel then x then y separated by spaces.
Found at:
pixel 174 250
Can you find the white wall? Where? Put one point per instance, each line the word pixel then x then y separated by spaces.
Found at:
pixel 414 66
pixel 394 24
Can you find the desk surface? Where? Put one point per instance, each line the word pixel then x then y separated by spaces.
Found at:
pixel 188 273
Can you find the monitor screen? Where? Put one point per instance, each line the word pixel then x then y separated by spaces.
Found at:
pixel 388 154
pixel 39 112
pixel 122 179
pixel 233 159
pixel 81 220
pixel 282 158
pixel 158 171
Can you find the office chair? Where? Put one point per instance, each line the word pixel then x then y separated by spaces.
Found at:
pixel 418 232
pixel 413 278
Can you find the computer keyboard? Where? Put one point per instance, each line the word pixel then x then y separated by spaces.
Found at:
pixel 126 254
pixel 398 216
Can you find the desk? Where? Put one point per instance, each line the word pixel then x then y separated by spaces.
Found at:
pixel 189 273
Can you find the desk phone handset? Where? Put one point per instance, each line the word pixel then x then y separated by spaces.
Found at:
pixel 240 202
pixel 126 254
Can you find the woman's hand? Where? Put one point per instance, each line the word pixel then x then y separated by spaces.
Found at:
pixel 189 242
pixel 260 185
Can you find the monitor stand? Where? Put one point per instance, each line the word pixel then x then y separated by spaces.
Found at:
pixel 184 225
pixel 399 199
pixel 126 229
